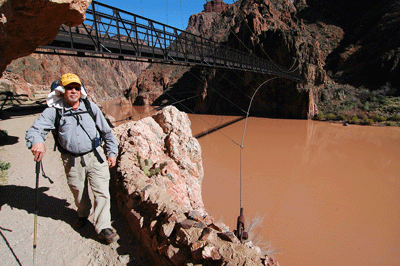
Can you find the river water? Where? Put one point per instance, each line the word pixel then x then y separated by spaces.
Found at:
pixel 327 194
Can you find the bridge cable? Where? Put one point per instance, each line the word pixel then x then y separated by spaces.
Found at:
pixel 276 65
pixel 233 84
pixel 180 5
pixel 166 13
pixel 241 145
pixel 141 7
pixel 240 231
pixel 211 89
pixel 228 100
pixel 262 49
pixel 229 80
pixel 190 110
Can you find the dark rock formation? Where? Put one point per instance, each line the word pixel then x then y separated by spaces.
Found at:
pixel 369 53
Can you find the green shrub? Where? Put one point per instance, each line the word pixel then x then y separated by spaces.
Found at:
pixel 379 118
pixel 330 117
pixel 3 172
pixel 147 166
pixel 395 117
pixel 354 120
pixel 343 117
pixel 390 123
pixel 320 116
pixel 367 121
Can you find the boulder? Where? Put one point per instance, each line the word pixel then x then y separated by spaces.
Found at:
pixel 25 25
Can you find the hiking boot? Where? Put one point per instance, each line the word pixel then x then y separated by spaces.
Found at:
pixel 81 222
pixel 109 235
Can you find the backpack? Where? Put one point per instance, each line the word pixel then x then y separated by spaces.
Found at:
pixel 57 145
pixel 58 118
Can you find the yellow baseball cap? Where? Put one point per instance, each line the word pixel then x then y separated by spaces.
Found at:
pixel 70 78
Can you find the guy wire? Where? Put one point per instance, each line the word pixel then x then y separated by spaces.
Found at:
pixel 245 125
pixel 233 84
pixel 277 66
pixel 183 24
pixel 262 49
pixel 177 101
pixel 180 102
pixel 241 145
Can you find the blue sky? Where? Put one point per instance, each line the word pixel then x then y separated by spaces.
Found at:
pixel 174 13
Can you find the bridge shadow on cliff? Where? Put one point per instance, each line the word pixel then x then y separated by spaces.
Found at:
pixel 209 131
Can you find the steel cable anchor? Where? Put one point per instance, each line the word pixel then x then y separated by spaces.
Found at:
pixel 240 232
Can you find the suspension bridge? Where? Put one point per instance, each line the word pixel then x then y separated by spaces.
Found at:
pixel 109 32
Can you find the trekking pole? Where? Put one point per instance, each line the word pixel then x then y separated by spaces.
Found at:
pixel 37 171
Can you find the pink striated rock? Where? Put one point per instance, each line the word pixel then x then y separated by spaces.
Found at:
pixel 165 137
pixel 211 253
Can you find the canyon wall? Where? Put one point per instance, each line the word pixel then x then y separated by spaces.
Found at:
pixel 103 78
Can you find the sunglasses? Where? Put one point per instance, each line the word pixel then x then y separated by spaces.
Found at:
pixel 70 88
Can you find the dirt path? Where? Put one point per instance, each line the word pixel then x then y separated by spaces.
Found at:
pixel 57 242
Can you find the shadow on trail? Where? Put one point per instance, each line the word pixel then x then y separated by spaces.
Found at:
pixel 23 198
pixel 10 140
pixel 129 245
pixel 18 111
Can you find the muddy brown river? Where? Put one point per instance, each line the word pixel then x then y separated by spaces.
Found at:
pixel 327 194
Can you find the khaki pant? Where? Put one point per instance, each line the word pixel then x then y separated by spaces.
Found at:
pixel 98 177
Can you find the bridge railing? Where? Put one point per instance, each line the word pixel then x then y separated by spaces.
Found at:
pixel 114 33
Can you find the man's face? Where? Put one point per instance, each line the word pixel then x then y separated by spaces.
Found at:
pixel 72 93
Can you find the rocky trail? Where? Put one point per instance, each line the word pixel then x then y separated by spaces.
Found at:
pixel 58 243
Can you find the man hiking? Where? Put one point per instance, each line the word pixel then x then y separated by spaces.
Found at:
pixel 79 127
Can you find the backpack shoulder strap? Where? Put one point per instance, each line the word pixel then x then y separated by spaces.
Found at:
pixel 89 108
pixel 56 127
pixel 90 111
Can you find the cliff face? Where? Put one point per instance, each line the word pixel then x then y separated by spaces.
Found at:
pixel 104 79
pixel 369 53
